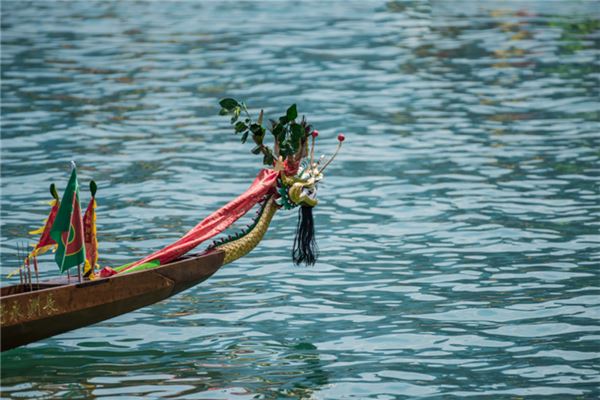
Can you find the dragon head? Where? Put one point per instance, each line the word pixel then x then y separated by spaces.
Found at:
pixel 298 187
pixel 299 181
pixel 294 160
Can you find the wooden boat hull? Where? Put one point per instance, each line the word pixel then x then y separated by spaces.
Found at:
pixel 57 308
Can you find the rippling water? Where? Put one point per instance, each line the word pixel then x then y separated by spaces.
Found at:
pixel 458 229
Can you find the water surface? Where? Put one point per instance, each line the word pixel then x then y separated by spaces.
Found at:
pixel 458 229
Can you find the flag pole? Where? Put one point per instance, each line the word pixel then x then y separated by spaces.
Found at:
pixel 73 166
pixel 28 266
pixel 20 264
pixel 37 276
pixel 79 272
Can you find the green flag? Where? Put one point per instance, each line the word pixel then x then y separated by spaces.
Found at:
pixel 67 230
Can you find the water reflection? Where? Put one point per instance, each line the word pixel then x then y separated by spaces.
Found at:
pixel 458 230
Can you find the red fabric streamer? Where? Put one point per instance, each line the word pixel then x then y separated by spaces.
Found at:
pixel 217 222
pixel 291 167
pixel 46 242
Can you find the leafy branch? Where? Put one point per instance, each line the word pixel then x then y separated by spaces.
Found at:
pixel 289 136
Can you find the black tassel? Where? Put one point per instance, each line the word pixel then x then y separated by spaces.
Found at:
pixel 305 246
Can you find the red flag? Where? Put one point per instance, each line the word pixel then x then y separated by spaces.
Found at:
pixel 46 242
pixel 72 239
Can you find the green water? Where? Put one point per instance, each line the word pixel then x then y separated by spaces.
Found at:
pixel 459 228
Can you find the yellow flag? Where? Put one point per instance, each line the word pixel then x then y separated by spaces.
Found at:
pixel 89 235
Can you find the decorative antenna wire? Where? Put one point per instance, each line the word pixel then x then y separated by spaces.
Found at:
pixel 37 274
pixel 25 248
pixel 19 265
pixel 22 273
pixel 341 139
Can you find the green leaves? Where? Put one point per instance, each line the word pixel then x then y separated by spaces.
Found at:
pixel 291 113
pixel 297 133
pixel 240 127
pixel 93 188
pixel 236 114
pixel 257 130
pixel 229 104
pixel 268 158
pixel 257 149
pixel 232 107
pixel 289 116
pixel 288 134
pixel 53 191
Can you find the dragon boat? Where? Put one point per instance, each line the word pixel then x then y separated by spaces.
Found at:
pixel 34 310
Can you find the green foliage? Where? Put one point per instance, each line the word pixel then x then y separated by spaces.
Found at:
pixel 240 127
pixel 297 132
pixel 93 188
pixel 229 104
pixel 231 107
pixel 289 135
pixel 53 191
pixel 291 113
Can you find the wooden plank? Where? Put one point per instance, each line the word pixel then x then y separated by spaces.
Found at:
pixel 30 316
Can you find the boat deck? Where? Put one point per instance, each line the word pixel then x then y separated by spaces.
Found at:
pixel 37 311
